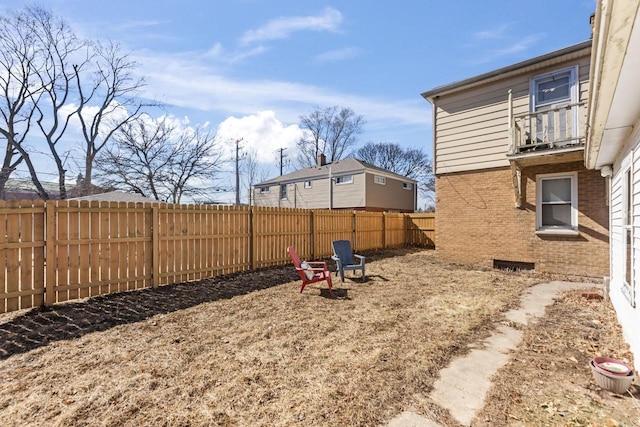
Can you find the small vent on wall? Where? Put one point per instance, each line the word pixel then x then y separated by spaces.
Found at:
pixel 513 265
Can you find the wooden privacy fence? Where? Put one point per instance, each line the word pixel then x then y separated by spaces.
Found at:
pixel 66 250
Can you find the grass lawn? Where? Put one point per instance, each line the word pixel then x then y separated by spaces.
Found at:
pixel 250 350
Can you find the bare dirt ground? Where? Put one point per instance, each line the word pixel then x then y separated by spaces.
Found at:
pixel 249 349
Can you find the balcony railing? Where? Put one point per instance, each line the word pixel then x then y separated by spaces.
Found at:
pixel 557 127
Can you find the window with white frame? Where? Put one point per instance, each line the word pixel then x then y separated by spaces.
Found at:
pixel 628 288
pixel 557 202
pixel 283 191
pixel 307 184
pixel 345 179
pixel 379 180
pixel 548 92
pixel 407 185
pixel 264 189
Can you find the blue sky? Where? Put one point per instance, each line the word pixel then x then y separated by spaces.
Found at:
pixel 250 68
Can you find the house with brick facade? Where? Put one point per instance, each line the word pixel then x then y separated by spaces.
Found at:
pixel 613 149
pixel 343 184
pixel 512 189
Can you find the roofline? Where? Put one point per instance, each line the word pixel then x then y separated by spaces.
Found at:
pixel 365 168
pixel 430 94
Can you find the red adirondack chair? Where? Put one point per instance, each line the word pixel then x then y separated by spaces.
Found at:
pixel 310 271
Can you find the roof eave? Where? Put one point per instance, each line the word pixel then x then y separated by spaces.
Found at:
pixel 500 72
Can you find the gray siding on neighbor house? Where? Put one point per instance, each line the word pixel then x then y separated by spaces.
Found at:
pixel 391 195
pixel 348 195
pixel 471 125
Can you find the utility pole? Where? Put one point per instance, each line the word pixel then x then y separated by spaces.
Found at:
pixel 238 171
pixel 282 156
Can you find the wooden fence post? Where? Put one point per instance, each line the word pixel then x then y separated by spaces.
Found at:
pixel 384 229
pixel 354 235
pixel 312 239
pixel 252 238
pixel 407 231
pixel 51 243
pixel 155 245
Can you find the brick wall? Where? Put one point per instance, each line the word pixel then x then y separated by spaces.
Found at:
pixel 477 221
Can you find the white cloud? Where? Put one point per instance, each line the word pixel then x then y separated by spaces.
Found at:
pixel 184 82
pixel 517 47
pixel 493 33
pixel 261 132
pixel 337 55
pixel 219 53
pixel 282 28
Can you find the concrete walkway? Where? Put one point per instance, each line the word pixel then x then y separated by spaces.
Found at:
pixel 463 385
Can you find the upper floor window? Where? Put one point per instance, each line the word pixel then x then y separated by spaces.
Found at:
pixel 553 89
pixel 307 184
pixel 379 180
pixel 283 191
pixel 407 185
pixel 346 179
pixel 550 94
pixel 557 203
pixel 264 189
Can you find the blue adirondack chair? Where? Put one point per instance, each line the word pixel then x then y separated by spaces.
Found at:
pixel 343 256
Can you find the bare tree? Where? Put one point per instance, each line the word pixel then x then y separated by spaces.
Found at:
pixel 410 162
pixel 253 172
pixel 39 85
pixel 157 160
pixel 107 102
pixel 18 87
pixel 59 48
pixel 330 131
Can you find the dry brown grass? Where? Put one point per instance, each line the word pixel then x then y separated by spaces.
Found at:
pixel 210 353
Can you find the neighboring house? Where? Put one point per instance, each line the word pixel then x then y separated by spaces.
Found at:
pixel 511 186
pixel 613 147
pixel 24 189
pixel 116 196
pixel 343 184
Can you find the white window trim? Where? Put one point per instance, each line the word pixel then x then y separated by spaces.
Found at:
pixel 407 186
pixel 350 181
pixel 380 180
pixel 573 92
pixel 557 230
pixel 628 287
pixel 573 95
pixel 308 184
pixel 265 189
pixel 283 196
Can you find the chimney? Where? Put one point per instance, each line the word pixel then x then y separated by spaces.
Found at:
pixel 322 159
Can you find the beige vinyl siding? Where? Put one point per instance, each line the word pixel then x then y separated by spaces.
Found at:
pixel 390 196
pixel 316 197
pixel 471 126
pixel 350 195
pixel 267 199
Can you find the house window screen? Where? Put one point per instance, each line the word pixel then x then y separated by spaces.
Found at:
pixel 550 93
pixel 556 202
pixel 554 89
pixel 628 288
pixel 283 191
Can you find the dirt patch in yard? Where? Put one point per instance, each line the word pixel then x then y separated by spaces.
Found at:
pixel 249 349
